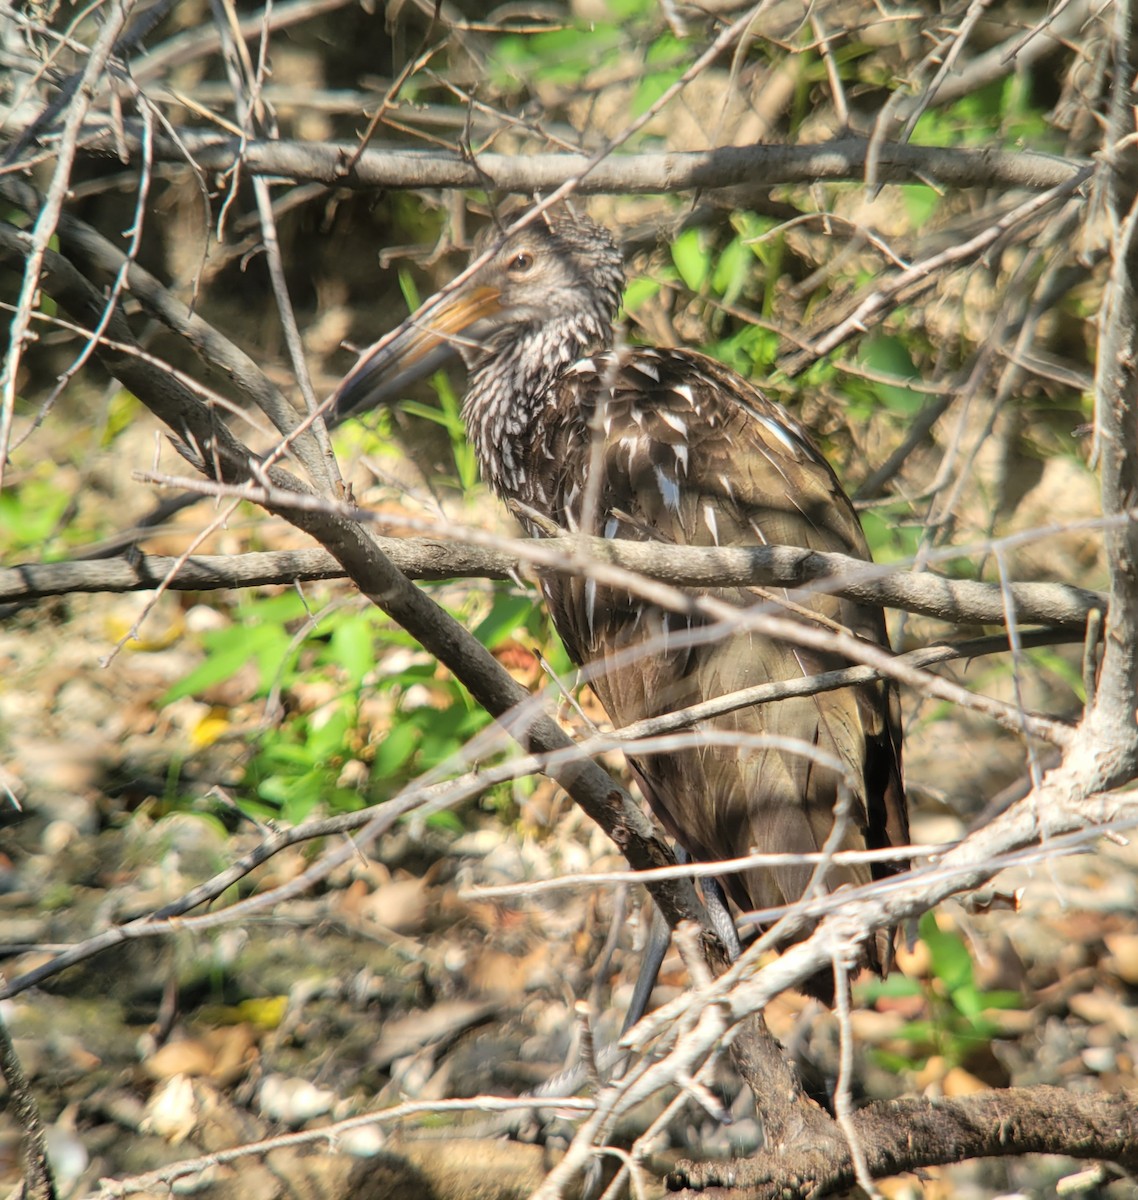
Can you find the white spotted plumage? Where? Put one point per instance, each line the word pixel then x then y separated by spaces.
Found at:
pixel 671 446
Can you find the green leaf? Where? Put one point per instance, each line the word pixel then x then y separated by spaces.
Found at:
pixel 279 755
pixel 395 750
pixel 624 10
pixel 639 291
pixel 1003 998
pixel 888 355
pixel 427 411
pixel 122 412
pixel 262 610
pixel 887 538
pixel 732 271
pixel 409 290
pixel 325 740
pixel 666 50
pixel 897 1064
pixel 444 733
pixel 507 614
pixel 352 648
pixel 920 202
pixel 950 961
pixel 651 88
pixel 228 651
pixel 751 350
pixel 692 259
pixel 920 1033
pixel 754 231
pixel 30 513
pixel 559 57
pixel 968 999
pixel 445 821
pixel 891 987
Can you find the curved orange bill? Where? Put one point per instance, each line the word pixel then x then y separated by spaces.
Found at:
pixel 422 344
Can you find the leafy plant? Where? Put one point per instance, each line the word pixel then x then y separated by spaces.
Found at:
pixel 747 266
pixel 301 763
pixel 559 57
pixel 448 414
pixel 956 1025
pixel 1004 105
pixel 31 513
pixel 666 60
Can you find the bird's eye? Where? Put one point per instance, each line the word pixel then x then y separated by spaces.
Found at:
pixel 521 262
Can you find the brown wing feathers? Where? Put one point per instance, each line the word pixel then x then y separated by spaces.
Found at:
pixel 698 457
pixel 690 453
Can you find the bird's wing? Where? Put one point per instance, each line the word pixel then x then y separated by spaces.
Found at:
pixel 676 448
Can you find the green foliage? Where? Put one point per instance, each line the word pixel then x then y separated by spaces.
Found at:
pixel 409 290
pixel 890 540
pixel 920 201
pixel 32 511
pixel 122 412
pixel 627 11
pixel 260 634
pixel 692 256
pixel 664 63
pixel 571 57
pixel 747 266
pixel 1002 112
pixel 299 765
pixel 639 291
pixel 884 355
pixel 750 351
pixel 955 1026
pixel 449 416
pixel 560 57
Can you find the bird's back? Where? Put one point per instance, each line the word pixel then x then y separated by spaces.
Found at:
pixel 671 446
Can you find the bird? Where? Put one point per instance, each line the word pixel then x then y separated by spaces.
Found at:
pixel 581 433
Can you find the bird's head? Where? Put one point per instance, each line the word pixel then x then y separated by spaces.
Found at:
pixel 550 290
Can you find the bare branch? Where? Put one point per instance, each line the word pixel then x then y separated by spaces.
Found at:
pixel 1034 1120
pixel 960 601
pixel 94 69
pixel 1111 717
pixel 38 1181
pixel 728 166
pixel 96 254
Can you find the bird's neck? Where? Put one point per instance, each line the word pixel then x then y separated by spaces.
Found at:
pixel 511 395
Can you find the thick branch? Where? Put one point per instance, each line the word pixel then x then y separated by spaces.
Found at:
pixel 39 1183
pixel 961 602
pixel 904 1135
pixel 727 166
pixel 1116 399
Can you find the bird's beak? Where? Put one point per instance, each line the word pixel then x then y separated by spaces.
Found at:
pixel 421 345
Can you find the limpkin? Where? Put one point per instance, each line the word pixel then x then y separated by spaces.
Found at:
pixel 666 445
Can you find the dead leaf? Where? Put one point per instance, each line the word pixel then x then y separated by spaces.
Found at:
pixel 959 1082
pixel 403 905
pixel 497 973
pixel 440 1024
pixel 1123 959
pixel 187 1057
pixel 221 1055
